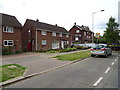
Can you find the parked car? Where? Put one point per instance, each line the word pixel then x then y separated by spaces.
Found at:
pixel 100 50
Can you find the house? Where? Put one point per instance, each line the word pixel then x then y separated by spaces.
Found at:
pixel 39 36
pixel 11 30
pixel 80 34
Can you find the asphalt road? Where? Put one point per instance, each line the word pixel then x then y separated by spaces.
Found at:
pixel 94 72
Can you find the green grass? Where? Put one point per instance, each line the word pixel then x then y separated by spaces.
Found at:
pixel 7 72
pixel 74 56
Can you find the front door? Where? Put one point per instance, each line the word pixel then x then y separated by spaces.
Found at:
pixel 29 46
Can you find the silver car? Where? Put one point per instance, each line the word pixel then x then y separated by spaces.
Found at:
pixel 100 50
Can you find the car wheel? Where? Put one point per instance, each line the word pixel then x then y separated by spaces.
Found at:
pixel 105 55
pixel 110 53
pixel 92 55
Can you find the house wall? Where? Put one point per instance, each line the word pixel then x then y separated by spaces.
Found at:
pixel 15 36
pixel 49 38
pixel 73 34
pixel 28 36
pixel 83 39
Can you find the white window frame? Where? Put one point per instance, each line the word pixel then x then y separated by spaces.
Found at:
pixel 76 38
pixel 67 42
pixel 43 33
pixel 44 42
pixel 84 33
pixel 60 34
pixel 8 29
pixel 67 35
pixel 8 41
pixel 77 31
pixel 54 34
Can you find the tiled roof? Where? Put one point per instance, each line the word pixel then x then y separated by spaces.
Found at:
pixel 45 26
pixel 8 20
pixel 84 28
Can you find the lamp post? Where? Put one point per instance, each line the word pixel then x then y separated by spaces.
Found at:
pixel 93 24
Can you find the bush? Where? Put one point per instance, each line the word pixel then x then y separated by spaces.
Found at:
pixel 7 51
pixel 80 47
pixel 68 50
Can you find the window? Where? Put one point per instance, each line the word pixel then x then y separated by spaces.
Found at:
pixel 8 43
pixel 67 42
pixel 84 33
pixel 77 31
pixel 60 35
pixel 76 38
pixel 44 42
pixel 53 34
pixel 8 29
pixel 44 33
pixel 67 35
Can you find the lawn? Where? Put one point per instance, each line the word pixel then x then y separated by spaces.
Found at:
pixel 11 71
pixel 74 56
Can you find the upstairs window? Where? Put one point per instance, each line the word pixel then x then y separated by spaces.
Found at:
pixel 67 35
pixel 60 35
pixel 76 38
pixel 84 33
pixel 77 31
pixel 8 29
pixel 53 34
pixel 44 33
pixel 8 43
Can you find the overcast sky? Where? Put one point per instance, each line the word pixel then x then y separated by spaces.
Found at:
pixel 63 12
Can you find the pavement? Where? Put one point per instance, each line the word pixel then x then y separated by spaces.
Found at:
pixel 36 63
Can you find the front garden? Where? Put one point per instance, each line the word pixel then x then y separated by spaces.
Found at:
pixel 11 71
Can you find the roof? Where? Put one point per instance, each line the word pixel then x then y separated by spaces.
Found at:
pixel 9 20
pixel 85 28
pixel 45 26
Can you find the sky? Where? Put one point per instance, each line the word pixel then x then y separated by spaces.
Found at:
pixel 64 13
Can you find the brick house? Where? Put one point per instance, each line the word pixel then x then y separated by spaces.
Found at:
pixel 39 36
pixel 11 32
pixel 80 34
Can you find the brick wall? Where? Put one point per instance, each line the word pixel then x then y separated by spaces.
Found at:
pixel 15 36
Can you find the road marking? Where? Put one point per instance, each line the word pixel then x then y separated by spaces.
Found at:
pixel 115 59
pixel 113 63
pixel 107 70
pixel 98 81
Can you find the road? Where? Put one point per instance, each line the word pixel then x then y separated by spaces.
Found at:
pixel 94 72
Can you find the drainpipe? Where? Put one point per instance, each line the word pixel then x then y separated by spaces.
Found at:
pixel 36 40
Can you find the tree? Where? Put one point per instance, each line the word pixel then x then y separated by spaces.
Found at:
pixel 111 34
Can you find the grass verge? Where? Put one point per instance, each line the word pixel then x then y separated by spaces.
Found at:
pixel 73 56
pixel 11 71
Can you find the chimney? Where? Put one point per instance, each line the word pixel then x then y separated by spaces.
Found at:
pixel 82 25
pixel 56 25
pixel 75 23
pixel 37 20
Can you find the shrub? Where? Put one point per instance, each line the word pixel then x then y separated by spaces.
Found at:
pixel 7 51
pixel 68 50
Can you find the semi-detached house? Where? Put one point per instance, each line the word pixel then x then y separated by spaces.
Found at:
pixel 80 34
pixel 39 36
pixel 11 33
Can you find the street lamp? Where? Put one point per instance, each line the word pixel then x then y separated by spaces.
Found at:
pixel 93 24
